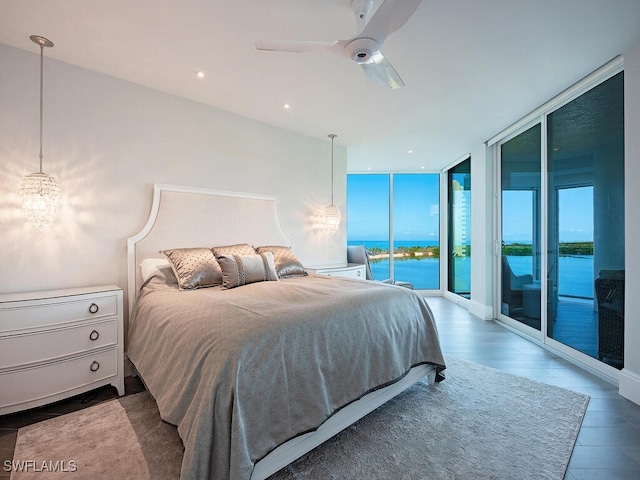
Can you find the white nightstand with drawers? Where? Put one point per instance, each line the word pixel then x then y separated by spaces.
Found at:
pixel 352 270
pixel 59 343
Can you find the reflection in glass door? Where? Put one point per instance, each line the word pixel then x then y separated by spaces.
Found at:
pixel 585 261
pixel 520 166
pixel 459 217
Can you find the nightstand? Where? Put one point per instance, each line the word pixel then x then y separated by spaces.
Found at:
pixel 352 270
pixel 59 343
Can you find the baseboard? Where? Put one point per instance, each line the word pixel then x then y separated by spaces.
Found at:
pixel 630 385
pixel 480 310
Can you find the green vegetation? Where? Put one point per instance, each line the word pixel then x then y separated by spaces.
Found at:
pixel 404 253
pixel 513 249
pixel 566 248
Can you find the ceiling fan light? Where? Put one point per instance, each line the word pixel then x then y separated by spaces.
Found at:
pixel 41 198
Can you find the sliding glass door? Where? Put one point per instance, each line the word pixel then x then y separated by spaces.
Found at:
pixel 561 265
pixel 585 174
pixel 520 265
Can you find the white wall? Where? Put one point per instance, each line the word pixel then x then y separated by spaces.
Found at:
pixel 482 233
pixel 108 141
pixel 630 376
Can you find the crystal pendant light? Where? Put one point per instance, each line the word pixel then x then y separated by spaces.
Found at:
pixel 332 214
pixel 41 196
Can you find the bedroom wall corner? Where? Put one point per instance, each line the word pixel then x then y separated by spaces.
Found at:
pixel 107 141
pixel 482 228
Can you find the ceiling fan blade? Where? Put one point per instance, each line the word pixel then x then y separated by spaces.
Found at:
pixel 389 17
pixel 294 46
pixel 382 72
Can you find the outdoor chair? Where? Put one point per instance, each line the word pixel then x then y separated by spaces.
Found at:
pixel 359 254
pixel 513 286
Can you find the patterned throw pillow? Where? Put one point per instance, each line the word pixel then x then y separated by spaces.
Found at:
pixel 287 265
pixel 238 270
pixel 237 249
pixel 194 267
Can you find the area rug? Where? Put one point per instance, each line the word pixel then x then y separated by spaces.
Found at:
pixel 479 423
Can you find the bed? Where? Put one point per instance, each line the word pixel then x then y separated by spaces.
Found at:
pixel 255 375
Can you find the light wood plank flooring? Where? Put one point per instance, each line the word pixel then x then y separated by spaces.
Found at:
pixel 608 446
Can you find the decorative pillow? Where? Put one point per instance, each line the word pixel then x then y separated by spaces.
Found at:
pixel 238 270
pixel 194 267
pixel 237 249
pixel 287 265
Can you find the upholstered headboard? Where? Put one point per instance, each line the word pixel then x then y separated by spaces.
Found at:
pixel 196 217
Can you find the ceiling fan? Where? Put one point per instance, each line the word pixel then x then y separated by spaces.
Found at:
pixel 364 48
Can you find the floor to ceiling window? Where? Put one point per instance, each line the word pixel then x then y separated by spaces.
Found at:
pixel 396 216
pixel 368 219
pixel 459 229
pixel 561 214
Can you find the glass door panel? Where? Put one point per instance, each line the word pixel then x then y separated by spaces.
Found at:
pixel 585 260
pixel 459 179
pixel 520 167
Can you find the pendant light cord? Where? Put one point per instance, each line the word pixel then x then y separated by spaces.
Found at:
pixel 332 136
pixel 41 81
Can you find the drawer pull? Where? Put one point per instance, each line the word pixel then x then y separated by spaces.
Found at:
pixel 359 273
pixel 94 366
pixel 94 335
pixel 93 308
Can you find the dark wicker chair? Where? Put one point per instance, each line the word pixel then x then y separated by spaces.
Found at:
pixel 610 296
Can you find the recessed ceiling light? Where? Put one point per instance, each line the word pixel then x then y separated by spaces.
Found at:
pixel 368 168
pixel 422 168
pixel 410 151
pixel 200 74
pixel 286 106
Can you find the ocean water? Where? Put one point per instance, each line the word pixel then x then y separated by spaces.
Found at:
pixel 423 273
pixel 575 273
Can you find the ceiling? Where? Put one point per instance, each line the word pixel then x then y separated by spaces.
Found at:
pixel 471 67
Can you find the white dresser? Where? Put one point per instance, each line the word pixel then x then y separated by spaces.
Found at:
pixel 59 343
pixel 352 270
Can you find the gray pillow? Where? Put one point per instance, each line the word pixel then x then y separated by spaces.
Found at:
pixel 238 270
pixel 194 267
pixel 287 265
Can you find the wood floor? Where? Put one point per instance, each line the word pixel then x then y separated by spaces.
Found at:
pixel 608 447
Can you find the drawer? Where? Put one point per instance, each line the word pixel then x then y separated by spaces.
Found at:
pixel 36 383
pixel 49 345
pixel 350 271
pixel 41 314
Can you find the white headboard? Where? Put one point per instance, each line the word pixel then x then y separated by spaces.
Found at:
pixel 198 217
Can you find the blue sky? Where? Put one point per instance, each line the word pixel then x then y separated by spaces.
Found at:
pixel 416 198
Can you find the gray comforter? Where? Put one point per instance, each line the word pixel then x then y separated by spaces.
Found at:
pixel 242 371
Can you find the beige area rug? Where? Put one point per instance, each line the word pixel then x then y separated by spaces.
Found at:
pixel 479 423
